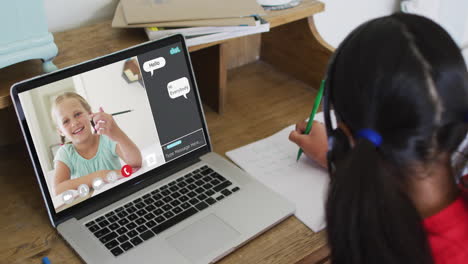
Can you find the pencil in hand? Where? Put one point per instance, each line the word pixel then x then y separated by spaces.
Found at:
pixel 317 101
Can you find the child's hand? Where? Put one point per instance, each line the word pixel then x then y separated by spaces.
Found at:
pixel 105 124
pixel 314 144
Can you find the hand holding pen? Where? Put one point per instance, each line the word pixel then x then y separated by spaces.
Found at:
pixel 314 144
pixel 311 137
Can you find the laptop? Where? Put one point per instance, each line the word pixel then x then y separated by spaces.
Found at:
pixel 133 179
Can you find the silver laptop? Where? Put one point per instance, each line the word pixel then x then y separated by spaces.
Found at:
pixel 133 179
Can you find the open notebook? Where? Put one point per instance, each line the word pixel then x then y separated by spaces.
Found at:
pixel 272 161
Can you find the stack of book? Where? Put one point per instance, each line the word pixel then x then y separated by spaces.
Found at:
pixel 201 21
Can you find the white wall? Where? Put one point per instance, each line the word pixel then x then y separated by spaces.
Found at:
pixel 37 107
pixel 67 14
pixel 341 16
pixel 105 87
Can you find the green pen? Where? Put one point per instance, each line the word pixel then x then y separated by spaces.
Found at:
pixel 312 114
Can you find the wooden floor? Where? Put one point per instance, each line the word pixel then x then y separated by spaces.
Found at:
pixel 261 101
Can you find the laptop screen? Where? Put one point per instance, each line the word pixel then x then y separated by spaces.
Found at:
pixel 100 128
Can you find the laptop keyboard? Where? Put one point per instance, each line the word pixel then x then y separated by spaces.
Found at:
pixel 141 219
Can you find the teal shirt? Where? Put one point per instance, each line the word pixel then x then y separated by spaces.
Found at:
pixel 105 159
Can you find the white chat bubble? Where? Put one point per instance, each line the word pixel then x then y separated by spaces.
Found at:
pixel 179 87
pixel 152 65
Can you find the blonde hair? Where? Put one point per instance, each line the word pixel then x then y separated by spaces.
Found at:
pixel 60 98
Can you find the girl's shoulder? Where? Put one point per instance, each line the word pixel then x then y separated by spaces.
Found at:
pixel 66 149
pixel 66 154
pixel 447 230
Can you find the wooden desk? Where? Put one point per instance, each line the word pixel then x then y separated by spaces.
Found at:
pixel 261 101
pixel 256 100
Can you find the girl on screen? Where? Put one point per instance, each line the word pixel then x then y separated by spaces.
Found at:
pixel 399 89
pixel 84 155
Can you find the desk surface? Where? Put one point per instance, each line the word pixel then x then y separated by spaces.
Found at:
pixel 81 44
pixel 261 101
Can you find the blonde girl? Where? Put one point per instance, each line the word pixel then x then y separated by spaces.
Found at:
pixel 88 155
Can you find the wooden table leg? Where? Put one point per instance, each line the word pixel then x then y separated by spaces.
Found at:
pixel 297 49
pixel 211 73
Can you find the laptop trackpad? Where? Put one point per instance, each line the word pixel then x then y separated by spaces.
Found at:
pixel 203 237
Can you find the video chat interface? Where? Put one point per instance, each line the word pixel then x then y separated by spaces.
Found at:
pixel 166 79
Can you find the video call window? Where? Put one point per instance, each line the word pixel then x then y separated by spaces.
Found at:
pixel 101 128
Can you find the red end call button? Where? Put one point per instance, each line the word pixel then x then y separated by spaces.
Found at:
pixel 126 171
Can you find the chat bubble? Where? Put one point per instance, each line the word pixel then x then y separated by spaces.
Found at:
pixel 179 87
pixel 152 65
